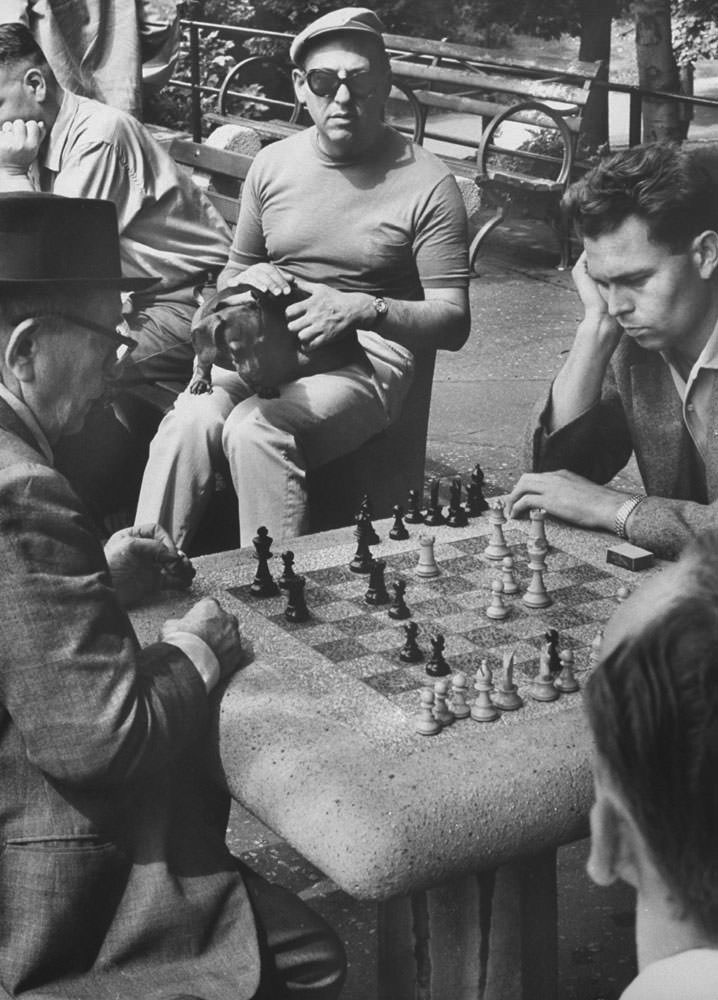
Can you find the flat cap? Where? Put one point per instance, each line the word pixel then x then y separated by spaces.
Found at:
pixel 343 21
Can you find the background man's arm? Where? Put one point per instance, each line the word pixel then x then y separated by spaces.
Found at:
pixel 19 148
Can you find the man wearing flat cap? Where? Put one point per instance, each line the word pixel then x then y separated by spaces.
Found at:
pixel 115 880
pixel 360 236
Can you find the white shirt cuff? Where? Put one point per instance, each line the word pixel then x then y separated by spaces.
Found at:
pixel 199 653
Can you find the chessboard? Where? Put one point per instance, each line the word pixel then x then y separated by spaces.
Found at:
pixel 360 643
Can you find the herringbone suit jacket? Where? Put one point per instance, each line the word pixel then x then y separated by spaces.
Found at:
pixel 639 411
pixel 115 881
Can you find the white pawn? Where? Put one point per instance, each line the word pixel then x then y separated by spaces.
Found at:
pixel 542 687
pixel 535 595
pixel 497 547
pixel 537 516
pixel 426 724
pixel 459 687
pixel 508 576
pixel 442 713
pixel 497 610
pixel 595 650
pixel 483 710
pixel 507 696
pixel 427 567
pixel 566 681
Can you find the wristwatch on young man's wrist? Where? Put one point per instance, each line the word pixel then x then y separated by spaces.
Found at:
pixel 624 512
pixel 381 308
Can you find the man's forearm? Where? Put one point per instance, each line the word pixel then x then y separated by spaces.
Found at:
pixel 14 181
pixel 577 386
pixel 437 322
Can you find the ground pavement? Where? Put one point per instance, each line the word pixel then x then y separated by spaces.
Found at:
pixel 524 313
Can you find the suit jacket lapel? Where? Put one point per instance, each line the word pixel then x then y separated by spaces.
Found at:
pixel 711 458
pixel 659 428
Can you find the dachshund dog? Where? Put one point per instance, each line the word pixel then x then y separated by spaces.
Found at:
pixel 252 338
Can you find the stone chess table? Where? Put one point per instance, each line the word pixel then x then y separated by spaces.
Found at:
pixel 455 835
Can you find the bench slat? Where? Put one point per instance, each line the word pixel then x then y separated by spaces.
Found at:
pixel 485 109
pixel 490 57
pixel 541 89
pixel 204 157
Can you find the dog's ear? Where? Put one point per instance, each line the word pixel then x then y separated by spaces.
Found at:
pixel 208 335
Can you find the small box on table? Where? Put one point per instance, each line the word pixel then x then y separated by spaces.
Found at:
pixel 629 556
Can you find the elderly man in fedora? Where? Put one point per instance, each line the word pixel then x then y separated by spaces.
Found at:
pixel 115 880
pixel 359 235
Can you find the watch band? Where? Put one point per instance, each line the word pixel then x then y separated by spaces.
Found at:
pixel 624 512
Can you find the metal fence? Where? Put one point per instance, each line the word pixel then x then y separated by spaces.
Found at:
pixel 190 72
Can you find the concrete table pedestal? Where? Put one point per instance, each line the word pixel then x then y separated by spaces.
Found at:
pixel 490 936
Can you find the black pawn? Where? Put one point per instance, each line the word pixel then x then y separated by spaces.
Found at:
pixel 413 509
pixel 476 502
pixel 263 584
pixel 398 529
pixel 377 592
pixel 398 609
pixel 457 516
pixel 366 515
pixel 437 665
pixel 296 610
pixel 410 652
pixel 288 571
pixel 434 515
pixel 554 660
pixel 362 561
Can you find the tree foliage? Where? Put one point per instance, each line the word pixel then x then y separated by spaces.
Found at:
pixel 695 30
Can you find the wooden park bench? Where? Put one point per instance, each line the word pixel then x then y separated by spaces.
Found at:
pixel 386 466
pixel 531 118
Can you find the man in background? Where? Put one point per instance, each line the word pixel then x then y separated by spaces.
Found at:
pixel 110 50
pixel 51 140
pixel 359 236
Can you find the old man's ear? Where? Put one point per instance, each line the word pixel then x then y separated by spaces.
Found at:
pixel 21 350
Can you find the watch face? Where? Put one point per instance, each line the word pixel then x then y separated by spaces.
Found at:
pixel 381 307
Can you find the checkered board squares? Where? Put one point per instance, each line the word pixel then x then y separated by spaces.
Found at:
pixel 362 641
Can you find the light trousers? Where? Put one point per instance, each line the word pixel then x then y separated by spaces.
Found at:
pixel 268 444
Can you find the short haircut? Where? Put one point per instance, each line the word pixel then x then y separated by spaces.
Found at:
pixel 668 188
pixel 18 45
pixel 652 705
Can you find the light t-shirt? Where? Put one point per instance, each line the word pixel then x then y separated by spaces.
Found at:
pixel 390 223
pixel 688 975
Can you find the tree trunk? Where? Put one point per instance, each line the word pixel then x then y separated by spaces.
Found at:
pixel 657 69
pixel 596 19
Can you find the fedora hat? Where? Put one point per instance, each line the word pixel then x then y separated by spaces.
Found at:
pixel 346 20
pixel 47 241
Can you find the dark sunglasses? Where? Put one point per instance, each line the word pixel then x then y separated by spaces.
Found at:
pixel 326 82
